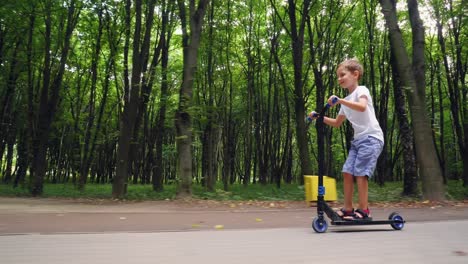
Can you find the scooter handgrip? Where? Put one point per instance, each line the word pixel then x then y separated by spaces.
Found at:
pixel 334 100
pixel 310 117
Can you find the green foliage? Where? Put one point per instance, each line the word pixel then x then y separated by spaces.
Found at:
pixel 390 192
pixel 234 86
pixel 240 192
pixel 456 191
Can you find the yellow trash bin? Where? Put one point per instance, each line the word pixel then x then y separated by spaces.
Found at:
pixel 311 188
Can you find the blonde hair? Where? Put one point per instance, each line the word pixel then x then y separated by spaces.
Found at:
pixel 352 65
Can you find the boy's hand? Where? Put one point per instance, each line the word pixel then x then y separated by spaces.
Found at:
pixel 312 116
pixel 333 100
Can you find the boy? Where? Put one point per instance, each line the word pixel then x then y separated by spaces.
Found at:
pixel 368 139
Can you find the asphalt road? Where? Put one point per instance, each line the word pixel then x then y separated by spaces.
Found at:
pixel 423 242
pixel 47 231
pixel 52 216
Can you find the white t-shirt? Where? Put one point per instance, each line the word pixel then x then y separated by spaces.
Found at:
pixel 364 123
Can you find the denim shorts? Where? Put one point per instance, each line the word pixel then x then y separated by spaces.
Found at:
pixel 362 157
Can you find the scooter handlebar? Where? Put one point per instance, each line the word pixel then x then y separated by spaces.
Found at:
pixel 314 115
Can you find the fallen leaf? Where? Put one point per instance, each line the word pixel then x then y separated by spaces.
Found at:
pixel 460 253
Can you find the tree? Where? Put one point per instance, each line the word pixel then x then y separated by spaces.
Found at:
pixel 63 116
pixel 159 126
pixel 209 135
pixel 455 72
pixel 50 92
pixel 413 79
pixel 136 97
pixel 89 141
pixel 296 32
pixel 191 35
pixel 229 139
pixel 410 176
pixel 324 56
pixel 132 97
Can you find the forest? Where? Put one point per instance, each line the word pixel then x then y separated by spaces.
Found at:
pixel 215 92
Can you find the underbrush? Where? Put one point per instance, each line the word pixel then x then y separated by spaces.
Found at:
pixel 390 192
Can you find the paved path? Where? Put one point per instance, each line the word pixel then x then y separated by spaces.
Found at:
pixel 423 242
pixel 47 216
pixel 49 231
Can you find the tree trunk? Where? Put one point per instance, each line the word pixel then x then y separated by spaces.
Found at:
pixel 410 177
pixel 208 137
pixel 48 105
pixel 22 162
pixel 297 40
pixel 128 117
pixel 437 132
pixel 228 139
pixel 86 154
pixel 455 75
pixel 25 148
pixel 137 147
pixel 157 176
pixel 286 158
pixel 8 112
pixel 299 102
pixel 412 77
pixel 183 120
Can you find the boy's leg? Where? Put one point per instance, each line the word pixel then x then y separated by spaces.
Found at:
pixel 363 192
pixel 348 188
pixel 369 150
pixel 348 184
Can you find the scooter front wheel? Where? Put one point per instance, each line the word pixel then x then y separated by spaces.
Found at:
pixel 398 222
pixel 319 225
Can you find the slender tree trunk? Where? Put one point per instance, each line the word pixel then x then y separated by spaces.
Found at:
pixel 137 147
pixel 286 159
pixel 228 134
pixel 458 95
pixel 158 176
pixel 48 105
pixel 297 39
pixel 296 30
pixel 7 113
pixel 441 120
pixel 128 117
pixel 410 177
pixel 85 157
pixel 22 162
pixel 437 131
pixel 209 131
pixel 183 120
pixel 26 148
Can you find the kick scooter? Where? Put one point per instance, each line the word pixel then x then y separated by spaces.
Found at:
pixel 319 224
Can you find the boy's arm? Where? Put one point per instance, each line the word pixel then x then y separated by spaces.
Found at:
pixel 334 122
pixel 357 106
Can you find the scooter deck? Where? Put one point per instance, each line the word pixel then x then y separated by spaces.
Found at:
pixel 366 222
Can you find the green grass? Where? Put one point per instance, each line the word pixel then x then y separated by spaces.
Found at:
pixel 239 192
pixel 390 192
